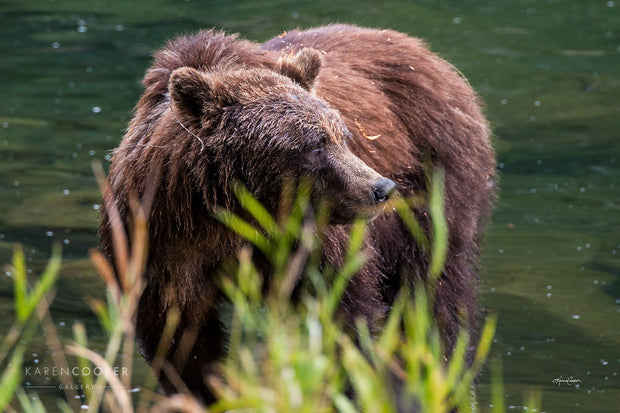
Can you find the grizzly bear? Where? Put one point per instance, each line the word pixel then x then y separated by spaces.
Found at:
pixel 360 112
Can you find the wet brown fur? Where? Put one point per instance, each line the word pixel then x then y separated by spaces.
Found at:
pixel 381 83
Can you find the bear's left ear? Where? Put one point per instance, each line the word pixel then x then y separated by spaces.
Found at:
pixel 303 67
pixel 197 95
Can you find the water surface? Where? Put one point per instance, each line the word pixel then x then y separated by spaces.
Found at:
pixel 549 72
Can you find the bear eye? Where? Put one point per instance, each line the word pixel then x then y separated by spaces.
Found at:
pixel 320 145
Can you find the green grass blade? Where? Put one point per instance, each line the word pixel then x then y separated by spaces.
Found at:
pixel 46 280
pixel 457 361
pixel 256 209
pixel 245 229
pixel 486 339
pixel 353 262
pixel 343 403
pixel 11 377
pixel 103 314
pixel 497 387
pixel 20 283
pixel 79 334
pixel 370 389
pixel 412 224
pixel 440 225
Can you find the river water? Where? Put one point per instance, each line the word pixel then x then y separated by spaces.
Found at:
pixel 549 72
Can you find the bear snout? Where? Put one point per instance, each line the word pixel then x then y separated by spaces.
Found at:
pixel 383 190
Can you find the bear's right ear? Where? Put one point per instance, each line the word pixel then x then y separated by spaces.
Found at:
pixel 197 95
pixel 303 67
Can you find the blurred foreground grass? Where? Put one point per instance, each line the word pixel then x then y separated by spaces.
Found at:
pixel 287 355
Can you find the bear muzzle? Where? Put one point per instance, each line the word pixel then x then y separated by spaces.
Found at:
pixel 382 191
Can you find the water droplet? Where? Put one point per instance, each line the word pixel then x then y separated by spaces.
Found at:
pixel 119 28
pixel 579 248
pixel 96 109
pixel 91 152
pixel 575 316
pixel 55 45
pixel 84 407
pixel 49 233
pixel 539 162
pixel 537 103
pixel 611 3
pixel 456 20
pixel 5 125
pixel 549 287
pixel 548 294
pixel 582 189
pixel 504 101
pixel 532 118
pixel 508 353
pixel 295 15
pixel 82 29
pixel 501 251
pixel 15 183
pixel 89 69
pixel 96 207
pixel 587 245
pixel 35 361
pixel 62 324
pixel 493 290
pixel 66 241
pixel 66 192
pixel 501 165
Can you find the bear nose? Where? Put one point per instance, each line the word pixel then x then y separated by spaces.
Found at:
pixel 383 190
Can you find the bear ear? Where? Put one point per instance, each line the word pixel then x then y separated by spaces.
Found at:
pixel 196 94
pixel 303 67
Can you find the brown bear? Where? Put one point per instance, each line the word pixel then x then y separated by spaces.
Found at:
pixel 359 111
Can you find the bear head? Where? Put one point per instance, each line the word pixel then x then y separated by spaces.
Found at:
pixel 268 127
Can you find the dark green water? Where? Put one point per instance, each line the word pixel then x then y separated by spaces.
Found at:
pixel 549 72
